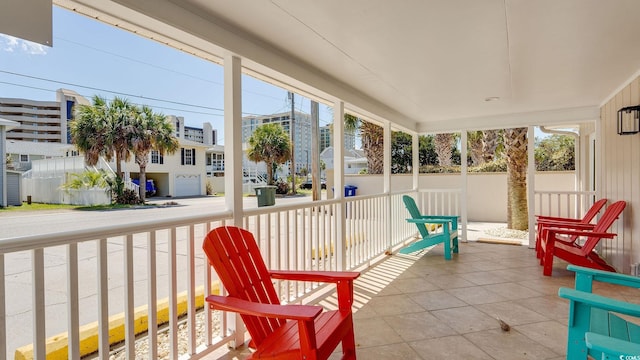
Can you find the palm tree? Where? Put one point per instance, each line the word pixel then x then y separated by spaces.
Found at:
pixel 443 148
pixel 271 144
pixel 88 130
pixel 474 139
pixel 515 141
pixel 490 139
pixel 150 131
pixel 121 115
pixel 101 129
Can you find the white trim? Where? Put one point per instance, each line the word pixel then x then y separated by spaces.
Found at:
pixel 619 88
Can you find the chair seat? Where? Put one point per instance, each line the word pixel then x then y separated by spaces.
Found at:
pixel 284 343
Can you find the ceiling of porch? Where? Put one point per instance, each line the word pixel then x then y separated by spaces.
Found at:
pixel 425 65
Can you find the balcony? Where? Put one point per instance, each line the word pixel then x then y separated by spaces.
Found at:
pixel 103 285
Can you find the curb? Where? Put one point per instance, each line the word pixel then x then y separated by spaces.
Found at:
pixel 57 346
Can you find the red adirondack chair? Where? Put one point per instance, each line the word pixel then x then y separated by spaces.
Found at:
pixel 560 222
pixel 582 255
pixel 278 331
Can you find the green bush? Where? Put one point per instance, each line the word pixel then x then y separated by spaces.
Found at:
pixel 282 187
pixel 128 197
pixel 499 165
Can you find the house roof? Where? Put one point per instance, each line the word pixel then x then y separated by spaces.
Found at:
pixel 190 143
pixel 426 66
pixel 8 124
pixel 37 148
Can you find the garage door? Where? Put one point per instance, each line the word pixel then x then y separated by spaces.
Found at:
pixel 187 185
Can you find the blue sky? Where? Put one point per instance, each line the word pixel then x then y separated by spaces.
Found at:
pixel 92 58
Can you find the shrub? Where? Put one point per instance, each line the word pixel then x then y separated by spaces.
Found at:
pixel 282 187
pixel 208 188
pixel 128 197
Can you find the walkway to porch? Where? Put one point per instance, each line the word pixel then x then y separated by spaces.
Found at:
pixel 424 307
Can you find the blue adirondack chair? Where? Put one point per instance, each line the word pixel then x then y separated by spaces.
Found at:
pixel 594 328
pixel 448 236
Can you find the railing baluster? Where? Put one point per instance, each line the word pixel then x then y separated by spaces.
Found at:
pixel 73 318
pixel 173 295
pixel 39 334
pixel 103 299
pixel 191 290
pixel 152 296
pixel 130 336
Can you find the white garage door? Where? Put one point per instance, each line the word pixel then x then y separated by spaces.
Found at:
pixel 187 185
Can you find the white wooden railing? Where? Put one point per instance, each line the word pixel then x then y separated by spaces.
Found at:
pixel 84 277
pixel 569 204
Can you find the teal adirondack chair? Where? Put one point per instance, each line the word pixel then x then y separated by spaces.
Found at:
pixel 448 236
pixel 593 328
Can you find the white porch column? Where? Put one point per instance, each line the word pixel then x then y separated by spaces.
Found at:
pixel 415 161
pixel 597 187
pixel 315 151
pixel 531 185
pixel 463 185
pixel 233 161
pixel 386 175
pixel 338 181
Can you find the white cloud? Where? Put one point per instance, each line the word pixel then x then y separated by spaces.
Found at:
pixel 12 44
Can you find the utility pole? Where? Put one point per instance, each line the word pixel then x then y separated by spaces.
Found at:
pixel 292 135
pixel 315 151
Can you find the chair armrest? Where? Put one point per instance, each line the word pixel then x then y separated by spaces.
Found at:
pixel 580 233
pixel 556 218
pixel 616 348
pixel 567 225
pixel 243 307
pixel 590 275
pixel 600 301
pixel 319 276
pixel 444 217
pixel 430 221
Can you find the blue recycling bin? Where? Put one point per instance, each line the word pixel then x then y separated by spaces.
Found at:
pixel 350 190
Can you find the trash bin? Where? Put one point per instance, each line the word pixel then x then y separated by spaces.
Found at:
pixel 266 195
pixel 350 190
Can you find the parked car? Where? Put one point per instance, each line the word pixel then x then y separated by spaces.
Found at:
pixel 150 189
pixel 309 185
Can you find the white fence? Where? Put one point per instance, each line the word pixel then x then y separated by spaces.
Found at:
pixel 84 277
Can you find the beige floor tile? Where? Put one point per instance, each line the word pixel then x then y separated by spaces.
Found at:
pixel 466 319
pixel 510 345
pixel 551 334
pixel 394 305
pixel 512 291
pixel 414 285
pixel 551 306
pixel 511 312
pixel 450 281
pixel 436 300
pixel 419 326
pixel 374 332
pixel 476 295
pixel 387 352
pixel 484 278
pixel 451 347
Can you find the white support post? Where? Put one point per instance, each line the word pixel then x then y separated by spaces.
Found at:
pixel 463 184
pixel 233 136
pixel 338 182
pixel 233 161
pixel 597 187
pixel 415 161
pixel 386 188
pixel 531 185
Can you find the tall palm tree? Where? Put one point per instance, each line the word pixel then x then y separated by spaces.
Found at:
pixel 271 144
pixel 490 139
pixel 150 131
pixel 372 137
pixel 443 143
pixel 121 116
pixel 474 139
pixel 515 141
pixel 88 130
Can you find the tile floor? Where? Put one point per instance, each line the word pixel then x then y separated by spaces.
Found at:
pixel 424 307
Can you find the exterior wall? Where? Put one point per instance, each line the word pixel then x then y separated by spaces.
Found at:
pixel 620 178
pixel 3 167
pixel 487 192
pixel 39 120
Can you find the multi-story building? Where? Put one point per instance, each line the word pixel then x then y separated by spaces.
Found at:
pixel 302 135
pixel 206 135
pixel 41 121
pixel 326 139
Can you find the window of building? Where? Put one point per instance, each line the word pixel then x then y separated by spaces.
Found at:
pixel 24 157
pixel 156 157
pixel 188 156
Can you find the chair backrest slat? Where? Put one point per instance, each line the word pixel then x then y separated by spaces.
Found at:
pixel 593 211
pixel 609 216
pixel 411 206
pixel 235 256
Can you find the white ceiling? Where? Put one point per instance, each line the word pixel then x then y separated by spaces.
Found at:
pixel 425 65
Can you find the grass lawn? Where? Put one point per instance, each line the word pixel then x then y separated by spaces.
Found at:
pixel 42 207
